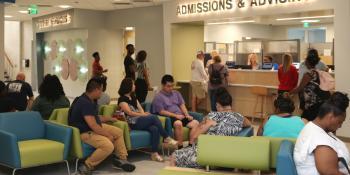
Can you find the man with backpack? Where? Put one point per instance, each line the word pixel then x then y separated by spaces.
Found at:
pixel 218 74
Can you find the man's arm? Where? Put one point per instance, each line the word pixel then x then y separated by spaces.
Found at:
pixel 90 120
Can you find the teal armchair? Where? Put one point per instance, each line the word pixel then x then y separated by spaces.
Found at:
pixel 28 141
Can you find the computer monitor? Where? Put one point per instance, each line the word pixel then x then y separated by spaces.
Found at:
pixel 242 67
pixel 230 64
pixel 267 66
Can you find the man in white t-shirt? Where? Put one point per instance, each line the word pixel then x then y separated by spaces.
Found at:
pixel 199 79
pixel 318 150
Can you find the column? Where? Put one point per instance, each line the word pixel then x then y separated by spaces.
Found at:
pixel 2 55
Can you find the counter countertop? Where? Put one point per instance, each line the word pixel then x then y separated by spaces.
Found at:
pixel 236 85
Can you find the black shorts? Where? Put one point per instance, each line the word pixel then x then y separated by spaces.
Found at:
pixel 184 121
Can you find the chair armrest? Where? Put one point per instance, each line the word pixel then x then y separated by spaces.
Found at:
pixel 53 115
pixel 9 152
pixel 197 116
pixel 126 133
pixel 76 150
pixel 285 162
pixel 59 133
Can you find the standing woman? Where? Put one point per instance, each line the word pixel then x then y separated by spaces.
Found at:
pixel 142 82
pixel 311 95
pixel 51 97
pixel 287 75
pixel 217 78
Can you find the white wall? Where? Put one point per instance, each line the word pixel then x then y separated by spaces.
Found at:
pixel 227 33
pixel 149 36
pixel 71 88
pixel 26 48
pixel 12 44
pixel 109 43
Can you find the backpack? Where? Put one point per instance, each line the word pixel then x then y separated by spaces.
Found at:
pixel 327 82
pixel 215 76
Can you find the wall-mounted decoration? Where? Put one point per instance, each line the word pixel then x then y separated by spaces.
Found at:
pixel 53 50
pixel 73 70
pixel 65 69
pixel 62 49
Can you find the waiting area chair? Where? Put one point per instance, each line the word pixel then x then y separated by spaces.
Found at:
pixel 285 161
pixel 25 138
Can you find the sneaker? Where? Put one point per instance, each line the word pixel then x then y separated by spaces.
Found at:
pixel 123 164
pixel 84 170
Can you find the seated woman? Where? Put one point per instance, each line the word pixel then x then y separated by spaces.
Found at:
pixel 138 119
pixel 318 150
pixel 51 96
pixel 224 122
pixel 282 124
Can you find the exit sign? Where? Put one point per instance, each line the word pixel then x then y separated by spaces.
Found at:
pixel 33 10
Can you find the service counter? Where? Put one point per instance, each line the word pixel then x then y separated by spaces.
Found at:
pixel 240 87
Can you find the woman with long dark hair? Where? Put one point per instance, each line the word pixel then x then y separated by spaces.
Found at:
pixel 142 82
pixel 138 119
pixel 51 96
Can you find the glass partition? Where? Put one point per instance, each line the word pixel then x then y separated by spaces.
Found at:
pixel 276 49
pixel 244 48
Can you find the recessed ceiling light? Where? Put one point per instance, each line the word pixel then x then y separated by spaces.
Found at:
pixel 310 21
pixel 23 11
pixel 64 6
pixel 8 16
pixel 129 28
pixel 306 17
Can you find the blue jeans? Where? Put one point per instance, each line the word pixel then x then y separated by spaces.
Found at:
pixel 153 125
pixel 212 95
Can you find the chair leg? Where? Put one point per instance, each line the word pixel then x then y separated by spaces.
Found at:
pixel 207 168
pixel 14 171
pixel 76 166
pixel 67 163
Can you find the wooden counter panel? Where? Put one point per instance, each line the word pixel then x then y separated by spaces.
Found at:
pixel 267 78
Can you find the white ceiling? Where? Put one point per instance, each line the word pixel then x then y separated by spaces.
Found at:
pixel 51 6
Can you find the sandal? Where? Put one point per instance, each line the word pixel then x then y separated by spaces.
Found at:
pixel 170 141
pixel 156 157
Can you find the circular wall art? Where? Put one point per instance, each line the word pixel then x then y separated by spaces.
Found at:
pixel 65 69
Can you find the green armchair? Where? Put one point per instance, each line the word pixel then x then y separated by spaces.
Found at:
pixel 28 141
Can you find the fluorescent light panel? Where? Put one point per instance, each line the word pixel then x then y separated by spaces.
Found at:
pixel 310 21
pixel 8 16
pixel 231 22
pixel 64 6
pixel 305 17
pixel 23 11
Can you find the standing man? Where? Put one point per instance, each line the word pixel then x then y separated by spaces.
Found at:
pixel 20 92
pixel 170 103
pixel 198 81
pixel 83 115
pixel 129 63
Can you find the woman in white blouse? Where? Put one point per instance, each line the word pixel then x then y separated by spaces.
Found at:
pixel 318 150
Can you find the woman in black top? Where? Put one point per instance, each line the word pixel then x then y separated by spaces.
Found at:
pixel 138 119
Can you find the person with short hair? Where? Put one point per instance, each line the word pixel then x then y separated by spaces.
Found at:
pixel 312 96
pixel 142 82
pixel 51 96
pixel 6 103
pixel 169 103
pixel 20 92
pixel 83 115
pixel 269 59
pixel 282 124
pixel 224 122
pixel 199 80
pixel 129 62
pixel 218 74
pixel 318 150
pixel 97 69
pixel 138 119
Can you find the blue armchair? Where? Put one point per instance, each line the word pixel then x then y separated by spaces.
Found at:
pixel 285 161
pixel 28 141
